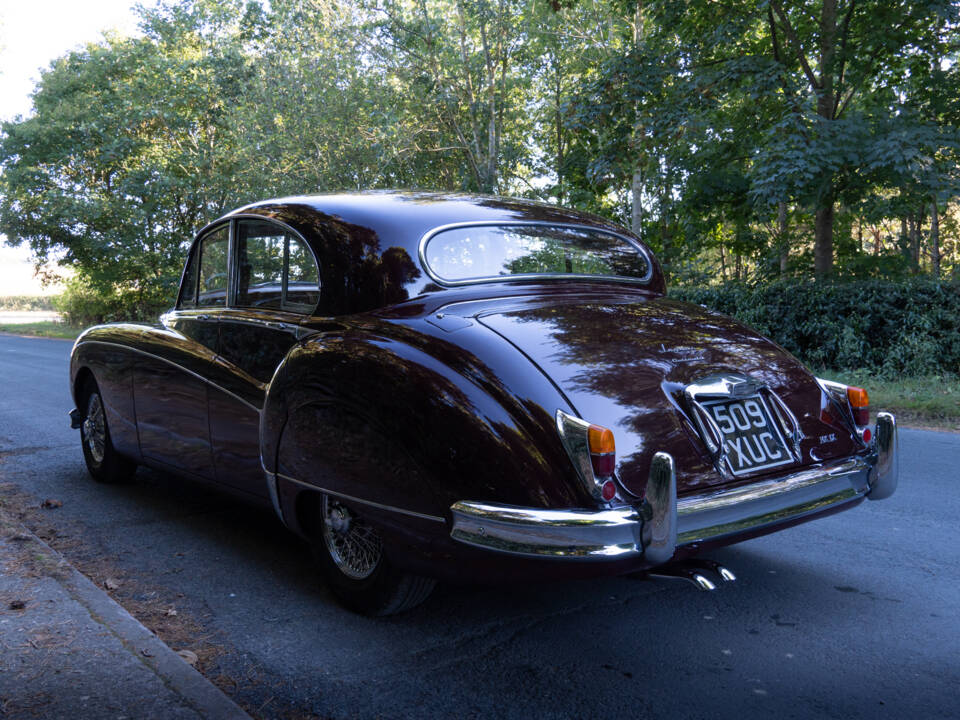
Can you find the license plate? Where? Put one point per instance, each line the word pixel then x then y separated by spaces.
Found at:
pixel 751 441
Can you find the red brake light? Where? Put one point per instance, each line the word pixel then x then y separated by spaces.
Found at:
pixel 608 490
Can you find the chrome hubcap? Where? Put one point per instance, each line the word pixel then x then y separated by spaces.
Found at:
pixel 354 546
pixel 95 428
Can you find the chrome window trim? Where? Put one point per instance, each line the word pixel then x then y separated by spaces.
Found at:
pixel 235 269
pixel 526 277
pixel 195 249
pixel 201 237
pixel 176 365
pixel 371 503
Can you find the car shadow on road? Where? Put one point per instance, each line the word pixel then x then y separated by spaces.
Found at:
pixel 279 633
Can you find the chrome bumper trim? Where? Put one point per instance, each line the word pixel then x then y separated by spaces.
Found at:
pixel 605 534
pixel 662 522
pixel 883 482
pixel 726 512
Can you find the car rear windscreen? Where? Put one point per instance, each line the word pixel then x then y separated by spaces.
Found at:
pixel 488 252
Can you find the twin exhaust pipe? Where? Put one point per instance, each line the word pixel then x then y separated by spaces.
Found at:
pixel 697 571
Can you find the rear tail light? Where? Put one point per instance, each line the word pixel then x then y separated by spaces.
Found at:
pixel 849 401
pixel 593 452
pixel 603 451
pixel 860 405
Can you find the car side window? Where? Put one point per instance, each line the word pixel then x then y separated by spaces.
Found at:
pixel 188 288
pixel 212 290
pixel 274 269
pixel 260 249
pixel 303 278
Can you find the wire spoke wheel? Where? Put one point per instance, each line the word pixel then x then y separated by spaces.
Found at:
pixel 353 545
pixel 95 428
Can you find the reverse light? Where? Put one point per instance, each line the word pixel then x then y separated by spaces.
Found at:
pixel 593 452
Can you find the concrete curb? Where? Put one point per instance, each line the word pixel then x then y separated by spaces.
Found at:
pixel 198 692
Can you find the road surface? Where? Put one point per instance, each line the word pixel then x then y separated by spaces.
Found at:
pixel 852 616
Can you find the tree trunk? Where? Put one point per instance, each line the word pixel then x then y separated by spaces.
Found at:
pixel 913 223
pixel 636 190
pixel 782 236
pixel 935 238
pixel 636 186
pixel 823 240
pixel 826 108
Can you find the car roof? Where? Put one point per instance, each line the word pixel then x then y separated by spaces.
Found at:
pixel 411 214
pixel 380 220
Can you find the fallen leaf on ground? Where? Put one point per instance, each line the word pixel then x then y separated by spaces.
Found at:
pixel 18 604
pixel 171 613
pixel 111 584
pixel 51 503
pixel 146 653
pixel 189 656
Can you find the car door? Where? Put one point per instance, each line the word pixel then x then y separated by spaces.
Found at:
pixel 171 376
pixel 276 281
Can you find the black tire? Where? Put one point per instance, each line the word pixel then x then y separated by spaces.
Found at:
pixel 104 463
pixel 376 588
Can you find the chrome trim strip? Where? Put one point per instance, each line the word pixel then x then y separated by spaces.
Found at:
pixel 371 503
pixel 602 535
pixel 724 512
pixel 422 252
pixel 574 438
pixel 884 482
pixel 176 365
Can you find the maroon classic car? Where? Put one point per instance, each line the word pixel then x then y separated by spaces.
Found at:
pixel 432 386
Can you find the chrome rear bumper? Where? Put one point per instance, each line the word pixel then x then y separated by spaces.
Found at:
pixel 662 522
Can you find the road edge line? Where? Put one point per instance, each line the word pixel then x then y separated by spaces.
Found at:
pixel 189 683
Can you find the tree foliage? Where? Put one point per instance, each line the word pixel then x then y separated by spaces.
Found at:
pixel 743 139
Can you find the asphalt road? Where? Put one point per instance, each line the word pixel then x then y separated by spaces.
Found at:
pixel 855 615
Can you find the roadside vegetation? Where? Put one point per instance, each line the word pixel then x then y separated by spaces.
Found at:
pixel 42 329
pixel 27 303
pixel 919 401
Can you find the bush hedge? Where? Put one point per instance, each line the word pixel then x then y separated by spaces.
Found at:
pixel 83 304
pixel 890 328
pixel 27 303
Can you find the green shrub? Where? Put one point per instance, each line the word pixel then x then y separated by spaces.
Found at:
pixel 890 328
pixel 84 304
pixel 27 303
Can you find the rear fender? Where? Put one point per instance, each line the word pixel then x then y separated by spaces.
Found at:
pixel 380 420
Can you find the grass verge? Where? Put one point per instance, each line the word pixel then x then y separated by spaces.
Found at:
pixel 42 329
pixel 929 401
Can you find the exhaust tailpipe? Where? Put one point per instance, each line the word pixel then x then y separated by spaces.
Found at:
pixel 697 571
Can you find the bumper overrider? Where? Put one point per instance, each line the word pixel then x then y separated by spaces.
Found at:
pixel 662 523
